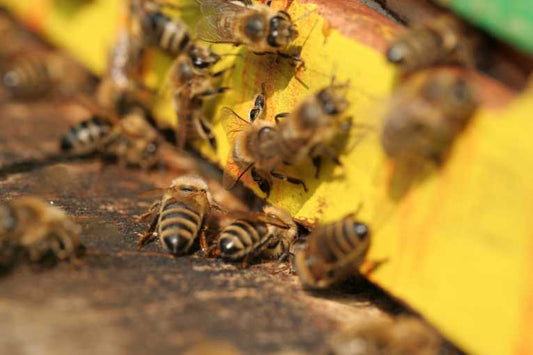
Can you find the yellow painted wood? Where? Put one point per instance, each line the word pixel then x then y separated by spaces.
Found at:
pixel 458 243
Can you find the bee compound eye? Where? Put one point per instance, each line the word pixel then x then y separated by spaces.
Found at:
pixel 396 53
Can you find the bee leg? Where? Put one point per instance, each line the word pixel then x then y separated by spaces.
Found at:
pixel 205 130
pixel 148 237
pixel 295 59
pixel 244 262
pixel 370 266
pixel 204 246
pixel 289 179
pixel 212 92
pixel 219 73
pixel 281 115
pixel 150 212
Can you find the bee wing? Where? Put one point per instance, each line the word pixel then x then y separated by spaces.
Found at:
pixel 209 28
pixel 233 125
pixel 269 219
pixel 157 192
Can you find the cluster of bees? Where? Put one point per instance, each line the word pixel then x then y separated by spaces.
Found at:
pixel 427 112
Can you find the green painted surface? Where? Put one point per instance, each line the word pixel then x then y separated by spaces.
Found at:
pixel 509 20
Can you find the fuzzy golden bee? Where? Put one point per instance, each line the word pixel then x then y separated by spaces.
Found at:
pixel 426 115
pixel 180 216
pixel 333 251
pixel 440 40
pixel 257 26
pixel 268 234
pixel 257 148
pixel 191 81
pixel 308 131
pixel 40 74
pixel 37 230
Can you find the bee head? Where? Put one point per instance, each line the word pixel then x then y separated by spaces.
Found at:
pixel 333 102
pixel 281 31
pixel 451 91
pixel 202 57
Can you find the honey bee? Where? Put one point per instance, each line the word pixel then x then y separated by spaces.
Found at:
pixel 308 130
pixel 403 336
pixel 36 75
pixel 131 140
pixel 444 39
pixel 191 83
pixel 256 26
pixel 171 35
pixel 425 116
pixel 333 251
pixel 258 148
pixel 38 230
pixel 180 216
pixel 268 234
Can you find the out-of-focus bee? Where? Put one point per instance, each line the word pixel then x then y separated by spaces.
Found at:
pixel 35 75
pixel 132 140
pixel 333 252
pixel 402 336
pixel 191 81
pixel 256 26
pixel 425 116
pixel 38 230
pixel 445 39
pixel 180 216
pixel 171 35
pixel 268 234
pixel 308 130
pixel 258 148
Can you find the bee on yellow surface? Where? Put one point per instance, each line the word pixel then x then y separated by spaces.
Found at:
pixel 256 148
pixel 180 216
pixel 191 81
pixel 38 230
pixel 425 116
pixel 444 39
pixel 36 75
pixel 333 252
pixel 267 234
pixel 131 140
pixel 257 26
pixel 311 127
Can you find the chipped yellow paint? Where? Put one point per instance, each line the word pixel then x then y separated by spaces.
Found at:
pixel 458 243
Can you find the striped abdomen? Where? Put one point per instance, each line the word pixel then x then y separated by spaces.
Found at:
pixel 342 239
pixel 170 35
pixel 178 226
pixel 28 78
pixel 241 238
pixel 85 136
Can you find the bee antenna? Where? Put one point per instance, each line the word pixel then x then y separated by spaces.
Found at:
pixel 236 114
pixel 241 174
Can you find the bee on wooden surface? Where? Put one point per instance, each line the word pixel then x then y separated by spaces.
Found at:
pixel 333 251
pixel 268 234
pixel 37 75
pixel 426 115
pixel 401 336
pixel 308 131
pixel 257 148
pixel 171 35
pixel 180 216
pixel 191 81
pixel 445 39
pixel 131 140
pixel 257 26
pixel 38 230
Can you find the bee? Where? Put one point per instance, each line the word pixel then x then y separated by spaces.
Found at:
pixel 425 116
pixel 402 336
pixel 308 130
pixel 257 148
pixel 36 75
pixel 333 251
pixel 444 39
pixel 269 234
pixel 257 26
pixel 38 230
pixel 131 140
pixel 191 83
pixel 180 216
pixel 171 35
